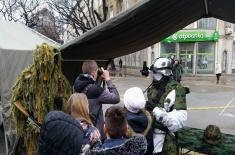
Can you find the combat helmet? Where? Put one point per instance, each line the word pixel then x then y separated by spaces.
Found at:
pixel 212 135
pixel 163 66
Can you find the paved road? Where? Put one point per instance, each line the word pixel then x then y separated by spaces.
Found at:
pixel 213 100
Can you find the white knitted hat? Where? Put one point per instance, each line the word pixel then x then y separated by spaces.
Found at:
pixel 134 99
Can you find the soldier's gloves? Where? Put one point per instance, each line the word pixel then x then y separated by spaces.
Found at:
pixel 173 120
pixel 160 114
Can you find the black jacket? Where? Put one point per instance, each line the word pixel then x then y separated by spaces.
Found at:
pixel 60 135
pixel 96 96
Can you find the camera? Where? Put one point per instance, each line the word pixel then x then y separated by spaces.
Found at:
pixel 100 71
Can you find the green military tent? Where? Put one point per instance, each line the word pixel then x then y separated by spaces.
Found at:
pixel 17 43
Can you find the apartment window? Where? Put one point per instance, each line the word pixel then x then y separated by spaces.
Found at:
pixel 207 23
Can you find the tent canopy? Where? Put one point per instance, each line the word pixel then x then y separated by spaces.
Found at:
pixel 18 37
pixel 146 23
pixel 17 43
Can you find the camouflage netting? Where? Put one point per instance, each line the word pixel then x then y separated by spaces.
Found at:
pixel 35 89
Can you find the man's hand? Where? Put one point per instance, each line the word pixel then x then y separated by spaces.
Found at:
pixel 105 75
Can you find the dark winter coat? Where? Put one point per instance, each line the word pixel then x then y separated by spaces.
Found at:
pixel 89 130
pixel 110 143
pixel 60 135
pixel 177 72
pixel 136 145
pixel 141 123
pixel 96 97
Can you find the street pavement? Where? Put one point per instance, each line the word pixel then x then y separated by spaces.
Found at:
pixel 208 102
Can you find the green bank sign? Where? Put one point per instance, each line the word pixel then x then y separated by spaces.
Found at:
pixel 192 37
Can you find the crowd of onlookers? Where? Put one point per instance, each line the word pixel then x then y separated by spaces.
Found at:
pixel 86 130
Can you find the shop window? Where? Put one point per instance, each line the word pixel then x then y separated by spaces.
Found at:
pixel 207 23
pixel 168 49
pixel 205 57
pixel 186 56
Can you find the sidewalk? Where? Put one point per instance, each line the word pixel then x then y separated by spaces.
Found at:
pixel 224 79
pixel 202 78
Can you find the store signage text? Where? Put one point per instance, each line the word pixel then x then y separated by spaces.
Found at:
pixel 192 37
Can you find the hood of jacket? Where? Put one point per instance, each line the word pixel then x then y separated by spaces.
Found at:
pixel 137 121
pixel 82 81
pixel 60 135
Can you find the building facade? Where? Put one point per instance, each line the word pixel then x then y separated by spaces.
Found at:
pixel 199 46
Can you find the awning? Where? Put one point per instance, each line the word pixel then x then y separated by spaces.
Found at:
pixel 148 22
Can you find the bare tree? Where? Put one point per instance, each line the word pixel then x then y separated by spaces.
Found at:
pixel 80 15
pixel 20 11
pixel 47 25
pixel 6 9
pixel 29 12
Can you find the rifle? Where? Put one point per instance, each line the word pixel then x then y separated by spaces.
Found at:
pixel 17 147
pixel 29 120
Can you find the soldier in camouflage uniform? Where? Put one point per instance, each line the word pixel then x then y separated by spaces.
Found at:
pixel 167 102
pixel 40 88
